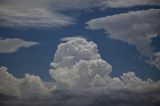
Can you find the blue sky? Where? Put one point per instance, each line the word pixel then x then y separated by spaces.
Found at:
pixel 79 52
pixel 36 59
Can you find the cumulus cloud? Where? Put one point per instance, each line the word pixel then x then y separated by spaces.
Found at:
pixel 9 84
pixel 155 60
pixel 137 31
pixel 29 86
pixel 78 65
pixel 81 77
pixel 71 61
pixel 51 13
pixel 9 45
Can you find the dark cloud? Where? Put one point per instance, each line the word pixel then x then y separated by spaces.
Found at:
pixel 68 98
pixel 6 98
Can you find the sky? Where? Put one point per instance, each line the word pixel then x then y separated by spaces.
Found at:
pixel 81 52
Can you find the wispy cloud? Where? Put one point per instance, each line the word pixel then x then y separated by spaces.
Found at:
pixel 65 39
pixel 51 13
pixel 135 28
pixel 129 3
pixel 12 45
pixel 28 13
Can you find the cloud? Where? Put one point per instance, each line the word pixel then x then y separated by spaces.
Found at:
pixel 29 86
pixel 73 59
pixel 9 45
pixel 9 84
pixel 78 65
pixel 65 39
pixel 137 31
pixel 140 29
pixel 32 17
pixel 31 13
pixel 155 60
pixel 81 78
pixel 51 13
pixel 129 3
pixel 67 98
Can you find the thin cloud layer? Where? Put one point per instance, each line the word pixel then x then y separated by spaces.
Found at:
pixel 137 31
pixel 82 78
pixel 129 3
pixel 31 13
pixel 51 13
pixel 65 39
pixel 9 45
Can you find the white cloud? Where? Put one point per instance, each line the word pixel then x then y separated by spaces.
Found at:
pixel 81 77
pixel 9 45
pixel 29 86
pixel 77 62
pixel 155 60
pixel 51 13
pixel 77 65
pixel 129 3
pixel 9 84
pixel 32 85
pixel 65 39
pixel 137 31
pixel 131 81
pixel 32 17
pixel 31 13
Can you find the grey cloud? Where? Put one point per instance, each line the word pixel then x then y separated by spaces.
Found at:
pixel 77 65
pixel 32 17
pixel 155 60
pixel 71 61
pixel 29 86
pixel 82 78
pixel 50 13
pixel 9 84
pixel 129 3
pixel 137 31
pixel 114 98
pixel 9 45
pixel 31 13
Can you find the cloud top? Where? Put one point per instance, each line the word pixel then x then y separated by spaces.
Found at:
pixel 78 65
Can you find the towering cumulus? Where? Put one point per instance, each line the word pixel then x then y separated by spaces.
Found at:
pixel 81 78
pixel 77 64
